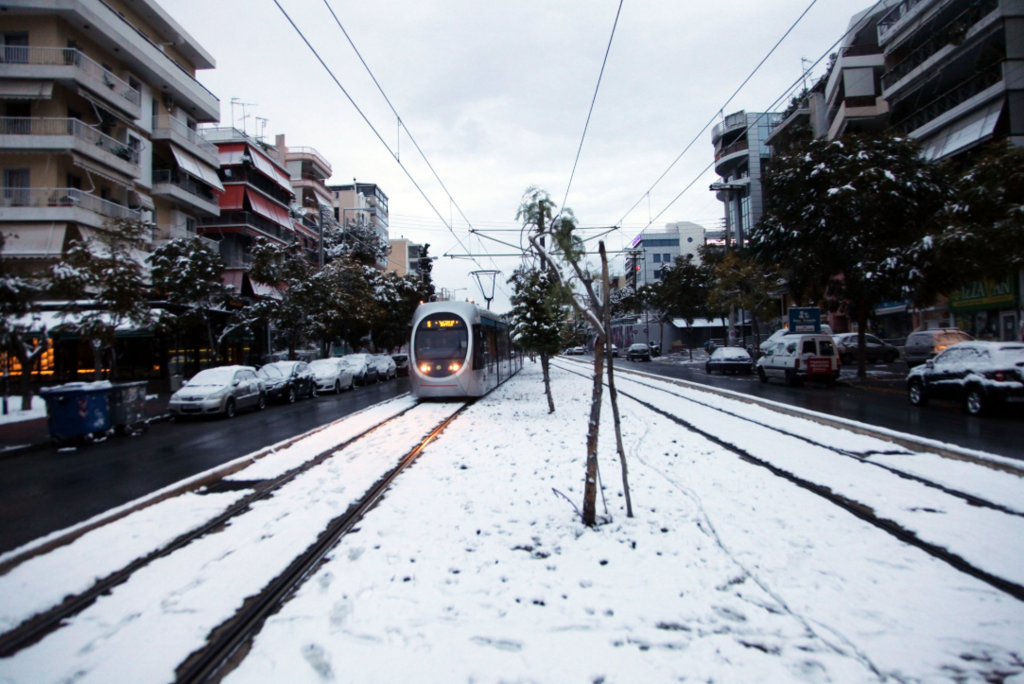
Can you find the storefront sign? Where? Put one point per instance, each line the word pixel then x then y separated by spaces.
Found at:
pixel 805 320
pixel 986 294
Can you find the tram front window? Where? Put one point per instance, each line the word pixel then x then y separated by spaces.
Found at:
pixel 441 344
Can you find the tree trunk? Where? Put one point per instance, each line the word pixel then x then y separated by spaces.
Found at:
pixel 590 487
pixel 97 361
pixel 547 381
pixel 613 395
pixel 862 324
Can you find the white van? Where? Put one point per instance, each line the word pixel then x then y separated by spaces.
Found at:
pixel 774 338
pixel 791 356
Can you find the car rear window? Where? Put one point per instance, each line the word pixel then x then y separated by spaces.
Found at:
pixel 826 348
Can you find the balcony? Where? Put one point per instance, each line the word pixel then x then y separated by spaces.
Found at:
pixel 65 205
pixel 986 78
pixel 180 188
pixel 176 131
pixel 246 222
pixel 71 65
pixel 314 157
pixel 729 157
pixel 67 135
pixel 887 23
pixel 732 121
pixel 950 35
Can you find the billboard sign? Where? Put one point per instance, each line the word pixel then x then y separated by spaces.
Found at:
pixel 805 320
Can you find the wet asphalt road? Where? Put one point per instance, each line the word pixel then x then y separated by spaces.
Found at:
pixel 884 404
pixel 46 490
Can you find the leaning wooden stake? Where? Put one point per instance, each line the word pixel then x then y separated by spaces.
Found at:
pixel 590 488
pixel 607 285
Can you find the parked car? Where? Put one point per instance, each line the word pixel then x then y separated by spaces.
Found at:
pixel 790 356
pixel 332 375
pixel 655 348
pixel 638 352
pixel 386 366
pixel 288 380
pixel 729 360
pixel 981 374
pixel 363 368
pixel 614 351
pixel 578 351
pixel 926 344
pixel 774 338
pixel 221 390
pixel 401 364
pixel 875 350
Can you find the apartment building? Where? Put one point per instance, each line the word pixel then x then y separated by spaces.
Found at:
pixel 405 257
pixel 100 110
pixel 652 250
pixel 255 204
pixel 954 72
pixel 363 204
pixel 740 149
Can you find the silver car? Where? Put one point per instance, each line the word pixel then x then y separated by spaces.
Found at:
pixel 221 390
pixel 332 375
pixel 386 366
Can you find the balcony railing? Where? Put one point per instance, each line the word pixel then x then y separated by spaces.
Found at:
pixel 962 92
pixel 159 49
pixel 178 127
pixel 247 218
pixel 311 152
pixel 66 197
pixel 71 57
pixel 950 33
pixel 37 126
pixel 862 50
pixel 732 120
pixel 186 184
pixel 738 146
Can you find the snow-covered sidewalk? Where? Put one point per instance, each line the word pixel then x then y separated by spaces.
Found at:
pixel 475 566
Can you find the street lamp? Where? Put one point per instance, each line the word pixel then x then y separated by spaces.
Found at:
pixel 456 290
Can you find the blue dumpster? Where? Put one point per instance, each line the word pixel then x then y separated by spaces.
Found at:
pixel 77 409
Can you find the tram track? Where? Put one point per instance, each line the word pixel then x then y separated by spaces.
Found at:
pixel 228 640
pixel 856 508
pixel 37 627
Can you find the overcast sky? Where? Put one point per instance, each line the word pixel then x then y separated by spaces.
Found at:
pixel 496 94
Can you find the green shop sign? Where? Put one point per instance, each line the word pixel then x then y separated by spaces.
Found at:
pixel 986 294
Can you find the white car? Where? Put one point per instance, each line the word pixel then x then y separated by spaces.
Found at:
pixel 363 368
pixel 796 357
pixel 332 375
pixel 386 367
pixel 221 390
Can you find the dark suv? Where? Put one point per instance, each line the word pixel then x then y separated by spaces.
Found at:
pixel 981 374
pixel 638 352
pixel 925 344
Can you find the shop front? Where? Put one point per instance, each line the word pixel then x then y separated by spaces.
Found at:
pixel 989 309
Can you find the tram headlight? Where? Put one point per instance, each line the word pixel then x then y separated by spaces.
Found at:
pixel 454 367
pixel 425 367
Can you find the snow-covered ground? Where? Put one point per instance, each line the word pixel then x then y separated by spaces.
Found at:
pixel 476 568
pixel 16 415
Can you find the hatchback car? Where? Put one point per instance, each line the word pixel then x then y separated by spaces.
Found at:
pixel 386 366
pixel 729 360
pixel 981 374
pixel 288 380
pixel 401 364
pixel 875 350
pixel 926 344
pixel 363 368
pixel 332 375
pixel 638 352
pixel 221 390
pixel 799 356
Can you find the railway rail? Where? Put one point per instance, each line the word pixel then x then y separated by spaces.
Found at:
pixel 859 509
pixel 225 640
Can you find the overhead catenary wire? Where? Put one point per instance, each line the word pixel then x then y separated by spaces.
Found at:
pixel 592 102
pixel 370 124
pixel 402 125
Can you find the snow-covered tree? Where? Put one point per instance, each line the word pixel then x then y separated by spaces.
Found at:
pixel 104 284
pixel 285 269
pixel 20 335
pixel 738 282
pixel 396 298
pixel 189 275
pixel 683 291
pixel 843 216
pixel 537 317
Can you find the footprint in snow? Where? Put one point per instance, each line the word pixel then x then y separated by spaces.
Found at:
pixel 317 659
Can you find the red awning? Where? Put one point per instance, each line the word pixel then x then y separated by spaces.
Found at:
pixel 231 200
pixel 271 170
pixel 231 153
pixel 267 209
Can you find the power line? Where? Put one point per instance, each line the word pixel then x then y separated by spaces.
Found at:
pixel 402 125
pixel 592 102
pixel 368 123
pixel 724 105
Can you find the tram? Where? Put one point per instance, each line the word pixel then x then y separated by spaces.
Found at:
pixel 459 350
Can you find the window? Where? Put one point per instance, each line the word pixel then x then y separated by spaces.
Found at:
pixel 657 275
pixel 657 258
pixel 18 121
pixel 667 258
pixel 15 46
pixel 810 347
pixel 74 181
pixel 190 225
pixel 16 187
